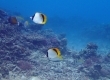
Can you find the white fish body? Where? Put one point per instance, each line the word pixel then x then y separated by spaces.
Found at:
pixel 37 18
pixel 52 54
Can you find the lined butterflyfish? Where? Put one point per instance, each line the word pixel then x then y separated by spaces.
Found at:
pixel 54 54
pixel 39 18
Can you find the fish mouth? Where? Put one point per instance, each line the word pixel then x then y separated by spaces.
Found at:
pixel 30 17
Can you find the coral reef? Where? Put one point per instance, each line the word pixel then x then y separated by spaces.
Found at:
pixel 24 65
pixel 89 51
pixel 22 55
pixel 2 14
pixel 17 45
pixel 94 65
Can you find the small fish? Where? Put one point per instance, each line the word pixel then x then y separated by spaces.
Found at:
pixel 20 18
pixel 39 18
pixel 12 20
pixel 54 54
pixel 26 23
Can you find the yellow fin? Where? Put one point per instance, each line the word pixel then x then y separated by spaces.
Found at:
pixel 60 57
pixel 57 51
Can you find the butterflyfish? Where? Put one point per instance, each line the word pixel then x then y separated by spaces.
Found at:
pixel 54 54
pixel 39 18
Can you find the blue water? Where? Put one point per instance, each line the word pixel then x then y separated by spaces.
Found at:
pixel 81 20
pixel 92 9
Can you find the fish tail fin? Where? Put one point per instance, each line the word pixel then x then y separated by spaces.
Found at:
pixel 60 57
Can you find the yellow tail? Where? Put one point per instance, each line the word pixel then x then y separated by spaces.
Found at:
pixel 60 57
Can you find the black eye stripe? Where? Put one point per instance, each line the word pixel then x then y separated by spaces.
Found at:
pixel 33 16
pixel 47 54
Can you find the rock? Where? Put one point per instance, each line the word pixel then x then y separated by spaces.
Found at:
pixel 92 46
pixel 97 67
pixel 2 14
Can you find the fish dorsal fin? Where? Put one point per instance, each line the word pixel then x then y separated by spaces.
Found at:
pixel 57 51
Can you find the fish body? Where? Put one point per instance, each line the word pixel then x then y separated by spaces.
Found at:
pixel 39 18
pixel 23 21
pixel 54 54
pixel 20 18
pixel 26 23
pixel 12 20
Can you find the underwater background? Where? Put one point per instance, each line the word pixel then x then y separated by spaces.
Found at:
pixel 84 30
pixel 77 18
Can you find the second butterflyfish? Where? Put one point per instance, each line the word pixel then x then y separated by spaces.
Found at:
pixel 54 54
pixel 39 18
